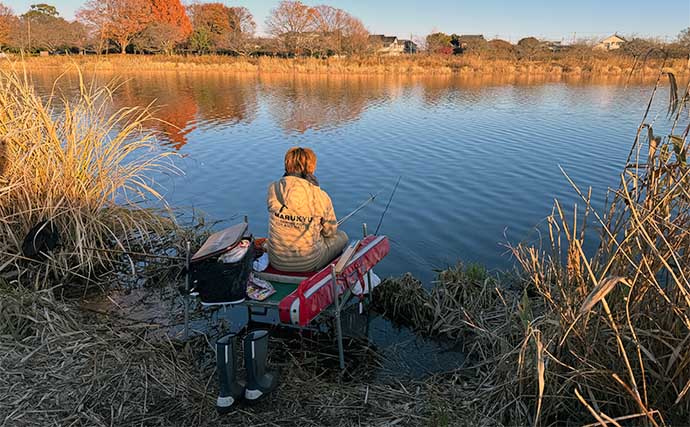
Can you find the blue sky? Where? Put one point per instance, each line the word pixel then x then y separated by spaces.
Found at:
pixel 507 19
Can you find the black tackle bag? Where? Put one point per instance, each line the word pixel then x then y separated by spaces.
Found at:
pixel 217 282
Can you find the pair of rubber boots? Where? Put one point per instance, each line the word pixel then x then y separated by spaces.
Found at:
pixel 259 381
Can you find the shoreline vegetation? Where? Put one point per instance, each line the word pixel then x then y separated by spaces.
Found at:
pixel 568 338
pixel 414 65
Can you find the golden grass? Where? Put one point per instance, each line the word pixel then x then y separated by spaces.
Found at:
pixel 600 338
pixel 566 66
pixel 82 166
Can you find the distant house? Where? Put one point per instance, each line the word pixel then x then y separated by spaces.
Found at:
pixel 467 41
pixel 557 46
pixel 611 43
pixel 409 46
pixel 386 45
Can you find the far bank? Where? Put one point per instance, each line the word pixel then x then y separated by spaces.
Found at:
pixel 469 65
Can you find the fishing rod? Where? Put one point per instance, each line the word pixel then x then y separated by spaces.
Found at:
pixel 376 233
pixel 359 208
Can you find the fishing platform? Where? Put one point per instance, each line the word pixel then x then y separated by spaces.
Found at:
pixel 302 300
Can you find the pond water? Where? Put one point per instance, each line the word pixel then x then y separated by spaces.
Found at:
pixel 479 159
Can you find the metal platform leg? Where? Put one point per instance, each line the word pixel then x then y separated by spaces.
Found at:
pixel 367 287
pixel 186 291
pixel 338 325
pixel 368 293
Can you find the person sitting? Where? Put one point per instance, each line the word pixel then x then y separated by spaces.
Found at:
pixel 303 231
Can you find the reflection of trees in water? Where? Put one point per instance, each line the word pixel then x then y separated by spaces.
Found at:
pixel 181 102
pixel 224 99
pixel 184 102
pixel 187 101
pixel 470 88
pixel 300 103
pixel 175 109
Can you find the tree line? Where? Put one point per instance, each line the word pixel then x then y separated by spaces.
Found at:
pixel 532 48
pixel 296 29
pixel 166 26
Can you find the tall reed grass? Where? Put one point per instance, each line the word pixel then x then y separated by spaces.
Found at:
pixel 567 66
pixel 83 167
pixel 598 338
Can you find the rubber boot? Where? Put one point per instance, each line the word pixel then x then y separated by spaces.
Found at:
pixel 230 389
pixel 259 381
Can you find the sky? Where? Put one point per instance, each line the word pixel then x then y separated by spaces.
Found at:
pixel 510 20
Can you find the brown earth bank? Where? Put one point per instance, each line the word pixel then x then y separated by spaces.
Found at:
pixel 558 67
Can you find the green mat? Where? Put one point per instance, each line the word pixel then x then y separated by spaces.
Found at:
pixel 282 290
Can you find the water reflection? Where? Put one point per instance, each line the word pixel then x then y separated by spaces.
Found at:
pixel 186 102
pixel 181 103
pixel 175 108
pixel 300 103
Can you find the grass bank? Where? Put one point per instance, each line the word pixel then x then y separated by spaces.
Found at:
pixel 566 66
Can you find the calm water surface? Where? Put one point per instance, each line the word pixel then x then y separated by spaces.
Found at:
pixel 479 160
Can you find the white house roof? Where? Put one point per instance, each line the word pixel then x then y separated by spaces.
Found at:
pixel 614 39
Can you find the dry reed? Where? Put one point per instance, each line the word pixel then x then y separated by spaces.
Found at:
pixel 470 65
pixel 64 366
pixel 87 169
pixel 602 337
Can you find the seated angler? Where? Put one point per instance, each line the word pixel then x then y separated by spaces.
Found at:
pixel 303 231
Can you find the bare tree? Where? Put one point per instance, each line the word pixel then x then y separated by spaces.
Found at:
pixel 294 23
pixel 158 37
pixel 339 32
pixel 684 38
pixel 41 28
pixel 7 22
pixel 77 36
pixel 330 23
pixel 240 39
pixel 355 36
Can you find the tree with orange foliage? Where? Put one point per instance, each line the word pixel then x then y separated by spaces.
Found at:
pixel 116 20
pixel 7 20
pixel 164 22
pixel 212 26
pixel 219 27
pixel 173 14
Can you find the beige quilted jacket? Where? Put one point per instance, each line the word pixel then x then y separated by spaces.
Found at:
pixel 300 216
